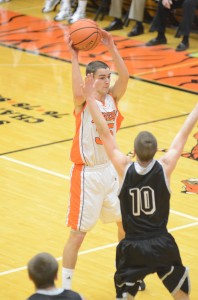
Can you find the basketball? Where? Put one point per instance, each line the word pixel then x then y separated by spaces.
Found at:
pixel 85 34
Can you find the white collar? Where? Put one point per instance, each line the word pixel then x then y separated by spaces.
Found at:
pixel 53 291
pixel 144 170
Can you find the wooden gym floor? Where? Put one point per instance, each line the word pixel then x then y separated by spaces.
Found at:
pixel 36 129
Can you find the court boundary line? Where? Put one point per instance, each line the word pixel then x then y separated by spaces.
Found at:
pixel 97 248
pixel 154 121
pixel 70 139
pixel 68 178
pixel 35 167
pixel 94 249
pixel 38 146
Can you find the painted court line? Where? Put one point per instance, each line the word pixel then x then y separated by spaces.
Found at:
pixel 34 167
pixel 94 250
pixel 183 215
pixel 60 258
pixel 67 178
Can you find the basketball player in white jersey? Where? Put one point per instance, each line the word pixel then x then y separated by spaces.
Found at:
pixel 145 201
pixel 94 182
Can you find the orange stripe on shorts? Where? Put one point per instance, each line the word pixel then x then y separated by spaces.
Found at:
pixel 76 194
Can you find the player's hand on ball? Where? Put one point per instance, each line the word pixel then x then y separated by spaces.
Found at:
pixel 107 38
pixel 69 43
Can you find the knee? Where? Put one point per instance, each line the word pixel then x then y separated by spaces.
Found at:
pixel 76 239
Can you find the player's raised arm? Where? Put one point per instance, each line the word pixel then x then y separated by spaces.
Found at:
pixel 77 79
pixel 170 159
pixel 119 160
pixel 119 87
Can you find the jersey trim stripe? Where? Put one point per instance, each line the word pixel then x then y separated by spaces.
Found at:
pixel 76 197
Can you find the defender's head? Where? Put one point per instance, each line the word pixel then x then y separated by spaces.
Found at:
pixel 145 146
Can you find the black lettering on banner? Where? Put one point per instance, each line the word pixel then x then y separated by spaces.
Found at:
pixel 143 200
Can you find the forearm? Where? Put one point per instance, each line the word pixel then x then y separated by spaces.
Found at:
pixel 98 119
pixel 120 85
pixel 182 136
pixel 119 160
pixel 77 79
pixel 119 62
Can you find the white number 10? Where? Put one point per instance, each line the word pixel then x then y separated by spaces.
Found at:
pixel 143 200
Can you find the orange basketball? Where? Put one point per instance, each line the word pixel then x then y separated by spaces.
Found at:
pixel 85 34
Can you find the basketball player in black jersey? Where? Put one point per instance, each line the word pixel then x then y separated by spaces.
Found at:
pixel 42 270
pixel 145 199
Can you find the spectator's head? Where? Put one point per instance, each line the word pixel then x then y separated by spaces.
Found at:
pixel 145 146
pixel 42 270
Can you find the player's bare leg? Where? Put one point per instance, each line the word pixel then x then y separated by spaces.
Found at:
pixel 121 233
pixel 70 254
pixel 180 295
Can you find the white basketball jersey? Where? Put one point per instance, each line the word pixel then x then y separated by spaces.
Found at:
pixel 87 147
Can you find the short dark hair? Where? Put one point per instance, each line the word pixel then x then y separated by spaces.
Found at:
pixel 145 146
pixel 42 270
pixel 93 66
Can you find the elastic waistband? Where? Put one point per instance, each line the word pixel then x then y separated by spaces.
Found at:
pixel 148 235
pixel 96 167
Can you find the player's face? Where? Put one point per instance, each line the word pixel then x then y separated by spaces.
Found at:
pixel 103 77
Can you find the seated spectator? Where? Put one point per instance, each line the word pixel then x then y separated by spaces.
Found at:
pixel 159 22
pixel 136 13
pixel 65 12
pixel 42 270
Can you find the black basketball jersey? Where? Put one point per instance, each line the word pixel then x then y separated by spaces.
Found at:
pixel 144 201
pixel 64 295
